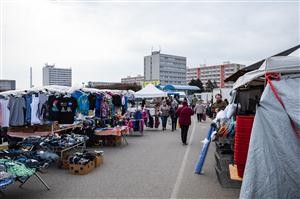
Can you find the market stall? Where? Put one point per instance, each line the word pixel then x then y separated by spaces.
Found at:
pixel 55 123
pixel 264 104
pixel 275 131
pixel 149 110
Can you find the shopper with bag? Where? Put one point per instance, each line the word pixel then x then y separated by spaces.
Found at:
pixel 200 111
pixel 164 113
pixel 184 114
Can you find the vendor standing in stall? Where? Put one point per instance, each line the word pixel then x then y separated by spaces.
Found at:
pixel 184 114
pixel 164 113
pixel 219 104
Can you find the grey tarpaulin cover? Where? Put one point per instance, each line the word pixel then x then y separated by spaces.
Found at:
pixel 273 164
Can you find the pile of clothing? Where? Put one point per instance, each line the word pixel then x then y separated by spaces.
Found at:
pixel 55 141
pixel 34 159
pixel 10 170
pixel 82 158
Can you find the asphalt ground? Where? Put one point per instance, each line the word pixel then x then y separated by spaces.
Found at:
pixel 155 165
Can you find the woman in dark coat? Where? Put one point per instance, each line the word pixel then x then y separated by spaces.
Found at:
pixel 184 114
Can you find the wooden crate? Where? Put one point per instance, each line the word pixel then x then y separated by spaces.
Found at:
pixel 111 140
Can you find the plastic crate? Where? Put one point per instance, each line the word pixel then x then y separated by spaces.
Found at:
pixel 225 181
pixel 223 161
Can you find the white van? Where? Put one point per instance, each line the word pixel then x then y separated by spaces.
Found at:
pixel 181 96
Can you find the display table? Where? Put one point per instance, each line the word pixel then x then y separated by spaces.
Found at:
pixel 62 128
pixel 116 131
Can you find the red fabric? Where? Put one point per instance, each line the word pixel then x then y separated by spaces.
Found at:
pixel 184 113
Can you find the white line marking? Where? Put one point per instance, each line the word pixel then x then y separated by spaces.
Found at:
pixel 183 165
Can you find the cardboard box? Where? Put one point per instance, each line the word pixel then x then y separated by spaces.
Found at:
pixel 78 169
pixel 65 164
pixel 112 140
pixel 98 160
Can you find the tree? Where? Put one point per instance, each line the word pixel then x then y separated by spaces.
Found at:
pixel 215 84
pixel 200 85
pixel 209 86
pixel 192 82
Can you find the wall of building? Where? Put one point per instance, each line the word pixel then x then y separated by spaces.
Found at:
pixel 131 80
pixel 6 85
pixel 216 73
pixel 57 76
pixel 168 69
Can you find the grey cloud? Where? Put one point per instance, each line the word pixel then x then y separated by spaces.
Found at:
pixel 107 41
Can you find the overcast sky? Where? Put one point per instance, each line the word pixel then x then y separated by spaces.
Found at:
pixel 107 41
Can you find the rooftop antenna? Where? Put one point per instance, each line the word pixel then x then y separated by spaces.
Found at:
pixel 159 48
pixel 151 49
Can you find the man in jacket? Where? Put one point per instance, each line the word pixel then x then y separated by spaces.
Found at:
pixel 218 105
pixel 184 114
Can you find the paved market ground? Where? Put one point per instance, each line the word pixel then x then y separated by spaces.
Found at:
pixel 156 165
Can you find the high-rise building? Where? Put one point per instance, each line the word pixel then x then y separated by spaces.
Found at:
pixel 168 69
pixel 217 73
pixel 57 76
pixel 131 80
pixel 6 85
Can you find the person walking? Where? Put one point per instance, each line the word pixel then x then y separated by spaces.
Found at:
pixel 184 114
pixel 173 115
pixel 194 101
pixel 164 113
pixel 200 110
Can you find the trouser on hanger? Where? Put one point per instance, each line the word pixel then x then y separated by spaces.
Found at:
pixel 156 122
pixel 184 132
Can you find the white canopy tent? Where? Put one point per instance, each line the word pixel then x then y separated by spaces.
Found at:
pixel 279 64
pixel 150 91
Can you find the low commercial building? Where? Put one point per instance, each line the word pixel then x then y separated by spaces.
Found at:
pixel 133 80
pixel 6 85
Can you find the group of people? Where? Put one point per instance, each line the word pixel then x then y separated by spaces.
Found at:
pixel 177 111
pixel 181 112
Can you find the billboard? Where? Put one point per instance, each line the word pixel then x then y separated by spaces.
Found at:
pixel 154 82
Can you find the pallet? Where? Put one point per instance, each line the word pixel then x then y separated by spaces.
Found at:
pixel 233 173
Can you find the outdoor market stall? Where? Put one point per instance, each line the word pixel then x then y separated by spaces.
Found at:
pixel 261 119
pixel 275 131
pixel 150 111
pixel 52 120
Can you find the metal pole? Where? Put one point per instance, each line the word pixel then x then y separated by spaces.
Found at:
pixel 42 181
pixel 1 38
pixel 31 77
